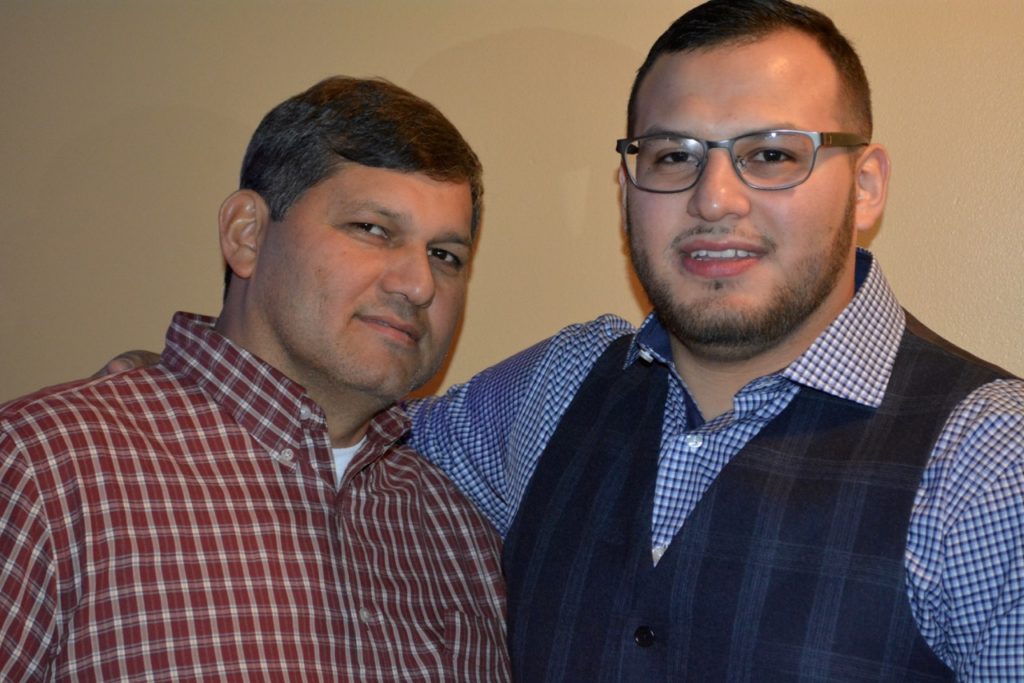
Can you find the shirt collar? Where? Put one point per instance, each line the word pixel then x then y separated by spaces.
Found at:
pixel 273 409
pixel 852 359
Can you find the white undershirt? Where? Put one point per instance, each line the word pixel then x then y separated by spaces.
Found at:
pixel 342 457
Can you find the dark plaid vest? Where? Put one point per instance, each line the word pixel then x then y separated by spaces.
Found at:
pixel 789 569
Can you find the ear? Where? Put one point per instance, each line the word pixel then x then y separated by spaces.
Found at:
pixel 871 176
pixel 242 223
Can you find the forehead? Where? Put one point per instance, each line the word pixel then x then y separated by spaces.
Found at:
pixel 782 80
pixel 412 197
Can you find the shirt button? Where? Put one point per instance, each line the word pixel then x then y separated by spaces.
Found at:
pixel 366 616
pixel 287 456
pixel 305 413
pixel 694 441
pixel 644 636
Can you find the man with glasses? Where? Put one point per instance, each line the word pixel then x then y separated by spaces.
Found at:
pixel 781 475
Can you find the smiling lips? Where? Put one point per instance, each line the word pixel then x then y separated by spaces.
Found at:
pixel 724 253
pixel 716 263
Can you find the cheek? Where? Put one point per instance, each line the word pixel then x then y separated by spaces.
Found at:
pixel 791 225
pixel 446 311
pixel 648 242
pixel 654 216
pixel 815 211
pixel 338 274
pixel 811 226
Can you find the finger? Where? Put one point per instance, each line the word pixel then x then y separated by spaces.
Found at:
pixel 128 360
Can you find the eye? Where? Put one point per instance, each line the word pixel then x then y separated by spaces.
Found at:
pixel 445 256
pixel 676 157
pixel 770 156
pixel 765 157
pixel 372 229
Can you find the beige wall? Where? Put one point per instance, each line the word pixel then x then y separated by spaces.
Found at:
pixel 123 124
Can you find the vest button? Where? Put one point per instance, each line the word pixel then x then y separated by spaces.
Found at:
pixel 644 636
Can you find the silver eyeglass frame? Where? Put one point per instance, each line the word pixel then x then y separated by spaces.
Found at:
pixel 819 139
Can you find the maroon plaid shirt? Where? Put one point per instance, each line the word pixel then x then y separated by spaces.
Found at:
pixel 182 522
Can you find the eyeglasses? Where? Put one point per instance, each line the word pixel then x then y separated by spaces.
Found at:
pixel 766 160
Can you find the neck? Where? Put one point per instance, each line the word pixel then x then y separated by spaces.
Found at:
pixel 714 376
pixel 347 419
pixel 348 413
pixel 714 384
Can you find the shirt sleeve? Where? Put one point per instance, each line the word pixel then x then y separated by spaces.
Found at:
pixel 488 433
pixel 27 574
pixel 966 558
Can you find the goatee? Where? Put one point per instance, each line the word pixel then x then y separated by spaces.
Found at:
pixel 712 330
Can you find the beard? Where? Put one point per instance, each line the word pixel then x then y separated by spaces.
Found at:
pixel 709 329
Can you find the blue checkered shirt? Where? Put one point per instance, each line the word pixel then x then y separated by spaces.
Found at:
pixel 965 546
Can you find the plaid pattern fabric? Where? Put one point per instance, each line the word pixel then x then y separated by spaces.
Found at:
pixel 964 555
pixel 182 523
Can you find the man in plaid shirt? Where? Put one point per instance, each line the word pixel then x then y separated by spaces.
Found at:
pixel 246 509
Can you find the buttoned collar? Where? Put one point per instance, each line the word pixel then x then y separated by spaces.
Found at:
pixel 273 409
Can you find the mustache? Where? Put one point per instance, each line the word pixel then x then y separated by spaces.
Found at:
pixel 704 230
pixel 699 230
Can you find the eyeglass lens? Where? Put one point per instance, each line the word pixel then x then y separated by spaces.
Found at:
pixel 764 160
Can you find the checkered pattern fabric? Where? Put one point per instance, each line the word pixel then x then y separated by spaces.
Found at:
pixel 965 548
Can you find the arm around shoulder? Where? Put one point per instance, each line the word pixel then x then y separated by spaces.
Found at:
pixel 487 433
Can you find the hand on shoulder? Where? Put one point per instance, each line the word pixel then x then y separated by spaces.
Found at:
pixel 128 360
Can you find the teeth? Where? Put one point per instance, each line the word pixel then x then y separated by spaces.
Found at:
pixel 723 254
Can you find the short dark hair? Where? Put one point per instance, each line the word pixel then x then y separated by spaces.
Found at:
pixel 372 122
pixel 735 22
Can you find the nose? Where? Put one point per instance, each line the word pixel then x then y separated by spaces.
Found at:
pixel 408 274
pixel 719 193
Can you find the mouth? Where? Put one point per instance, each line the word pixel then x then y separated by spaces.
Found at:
pixel 399 330
pixel 721 254
pixel 718 261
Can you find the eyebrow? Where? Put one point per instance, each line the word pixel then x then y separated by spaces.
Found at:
pixel 788 125
pixel 454 238
pixel 374 207
pixel 451 237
